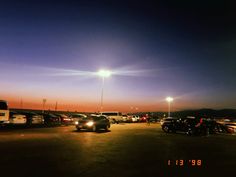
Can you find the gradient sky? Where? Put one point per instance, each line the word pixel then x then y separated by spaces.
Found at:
pixel 52 49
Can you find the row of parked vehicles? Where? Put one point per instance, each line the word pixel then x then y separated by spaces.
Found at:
pixel 31 118
pixel 117 117
pixel 49 119
pixel 93 122
pixel 196 126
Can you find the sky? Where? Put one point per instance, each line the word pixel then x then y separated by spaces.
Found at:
pixel 52 50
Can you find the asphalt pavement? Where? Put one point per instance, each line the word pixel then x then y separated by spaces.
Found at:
pixel 128 150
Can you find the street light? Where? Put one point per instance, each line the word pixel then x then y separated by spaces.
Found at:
pixel 103 73
pixel 169 100
pixel 44 102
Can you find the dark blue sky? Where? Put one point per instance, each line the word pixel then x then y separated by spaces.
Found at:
pixel 182 49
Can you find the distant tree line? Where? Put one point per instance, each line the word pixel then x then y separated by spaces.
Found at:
pixel 209 113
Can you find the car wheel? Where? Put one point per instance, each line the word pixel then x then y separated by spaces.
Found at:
pixel 78 129
pixel 190 132
pixel 94 128
pixel 166 129
pixel 107 128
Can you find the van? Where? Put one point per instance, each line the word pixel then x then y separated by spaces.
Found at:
pixel 113 116
pixel 4 112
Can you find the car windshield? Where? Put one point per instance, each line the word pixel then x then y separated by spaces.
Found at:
pixel 51 115
pixel 12 113
pixel 95 118
pixel 230 124
pixel 77 116
pixel 84 118
pixel 110 113
pixel 29 113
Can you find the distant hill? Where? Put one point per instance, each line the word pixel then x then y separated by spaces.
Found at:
pixel 227 113
pixel 223 113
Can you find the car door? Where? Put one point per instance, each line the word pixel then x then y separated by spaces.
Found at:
pixel 103 121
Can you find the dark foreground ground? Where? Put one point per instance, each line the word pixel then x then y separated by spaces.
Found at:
pixel 128 150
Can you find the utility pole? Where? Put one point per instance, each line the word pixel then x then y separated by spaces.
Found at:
pixel 21 103
pixel 44 102
pixel 56 107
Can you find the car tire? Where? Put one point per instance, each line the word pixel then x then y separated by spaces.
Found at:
pixel 166 129
pixel 107 128
pixel 190 132
pixel 78 129
pixel 94 128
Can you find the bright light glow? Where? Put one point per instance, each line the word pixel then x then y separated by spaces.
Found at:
pixel 104 73
pixel 67 119
pixel 169 99
pixel 90 123
pixel 76 123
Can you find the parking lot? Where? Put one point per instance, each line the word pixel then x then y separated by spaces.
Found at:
pixel 127 150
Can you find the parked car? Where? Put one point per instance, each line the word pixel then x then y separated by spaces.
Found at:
pixel 77 117
pixel 191 126
pixel 93 123
pixel 169 124
pixel 143 119
pixel 17 118
pixel 172 124
pixel 113 116
pixel 124 118
pixel 33 118
pixel 128 119
pixel 51 119
pixel 166 119
pixel 135 118
pixel 4 112
pixel 64 119
pixel 231 127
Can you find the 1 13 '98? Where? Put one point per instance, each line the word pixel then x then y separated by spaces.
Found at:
pixel 181 162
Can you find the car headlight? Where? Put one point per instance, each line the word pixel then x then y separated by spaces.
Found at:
pixel 90 123
pixel 76 122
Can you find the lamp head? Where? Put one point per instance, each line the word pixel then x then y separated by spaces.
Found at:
pixel 169 99
pixel 104 73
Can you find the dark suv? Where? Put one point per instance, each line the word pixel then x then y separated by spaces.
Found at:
pixel 170 124
pixel 182 125
pixel 93 123
pixel 190 126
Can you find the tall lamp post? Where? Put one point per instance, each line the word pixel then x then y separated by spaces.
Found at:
pixel 169 100
pixel 44 102
pixel 104 74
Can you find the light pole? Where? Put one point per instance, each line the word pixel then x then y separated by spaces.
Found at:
pixel 169 100
pixel 44 102
pixel 21 103
pixel 103 74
